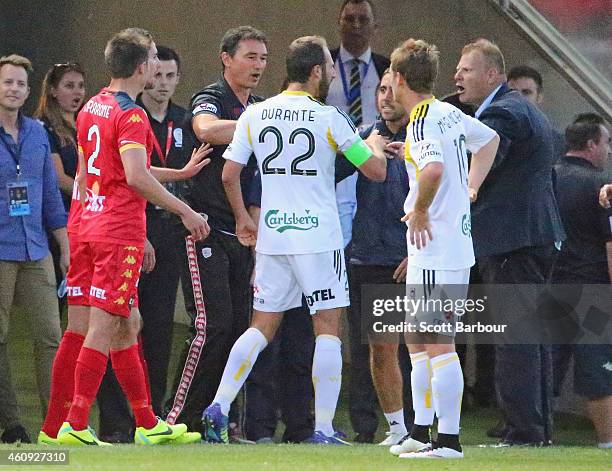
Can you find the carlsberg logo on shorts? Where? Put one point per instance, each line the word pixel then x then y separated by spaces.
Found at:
pixel 281 221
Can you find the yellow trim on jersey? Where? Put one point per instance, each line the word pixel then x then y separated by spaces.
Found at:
pixel 296 93
pixel 426 101
pixel 249 135
pixel 80 149
pixel 134 145
pixel 420 109
pixel 408 157
pixel 331 140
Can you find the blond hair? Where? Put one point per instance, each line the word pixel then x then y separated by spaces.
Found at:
pixel 490 51
pixel 417 61
pixel 17 61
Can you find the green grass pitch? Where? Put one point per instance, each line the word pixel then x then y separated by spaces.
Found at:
pixel 574 438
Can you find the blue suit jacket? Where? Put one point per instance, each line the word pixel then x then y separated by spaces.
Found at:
pixel 516 205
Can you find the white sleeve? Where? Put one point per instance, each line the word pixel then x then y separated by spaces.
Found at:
pixel 241 147
pixel 343 131
pixel 425 144
pixel 477 134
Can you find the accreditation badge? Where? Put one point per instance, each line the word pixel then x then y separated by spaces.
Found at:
pixel 19 205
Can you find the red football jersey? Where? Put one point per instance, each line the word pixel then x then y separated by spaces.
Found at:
pixel 109 124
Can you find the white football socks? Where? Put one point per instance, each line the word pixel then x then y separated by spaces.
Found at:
pixel 327 379
pixel 239 364
pixel 447 388
pixel 421 389
pixel 396 422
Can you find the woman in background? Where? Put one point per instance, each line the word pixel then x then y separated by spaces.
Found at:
pixel 62 94
pixel 61 97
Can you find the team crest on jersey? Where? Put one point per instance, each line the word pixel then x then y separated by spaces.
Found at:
pixel 466 225
pixel 178 137
pixel 281 221
pixel 207 107
pixel 95 202
pixel 135 118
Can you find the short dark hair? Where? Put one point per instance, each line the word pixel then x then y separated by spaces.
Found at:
pixel 126 50
pixel 232 37
pixel 524 71
pixel 165 53
pixel 304 53
pixel 586 126
pixel 346 2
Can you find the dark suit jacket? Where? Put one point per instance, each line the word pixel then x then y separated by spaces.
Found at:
pixel 381 63
pixel 516 205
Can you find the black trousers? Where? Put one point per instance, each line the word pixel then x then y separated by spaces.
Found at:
pixel 281 380
pixel 523 373
pixel 225 268
pixel 157 300
pixel 363 401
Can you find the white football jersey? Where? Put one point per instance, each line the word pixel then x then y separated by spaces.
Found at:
pixel 439 132
pixel 295 139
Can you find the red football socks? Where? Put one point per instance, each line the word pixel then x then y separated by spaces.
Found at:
pixel 145 367
pixel 62 382
pixel 90 369
pixel 129 371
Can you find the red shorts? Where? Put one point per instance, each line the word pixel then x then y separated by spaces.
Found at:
pixel 77 278
pixel 108 273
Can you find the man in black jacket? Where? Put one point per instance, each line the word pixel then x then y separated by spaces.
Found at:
pixel 515 226
pixel 586 255
pixel 223 265
pixel 358 72
pixel 378 256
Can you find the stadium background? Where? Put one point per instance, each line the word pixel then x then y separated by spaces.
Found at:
pixel 62 30
pixel 77 30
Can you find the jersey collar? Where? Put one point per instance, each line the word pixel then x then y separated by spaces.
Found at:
pixel 296 93
pixel 419 105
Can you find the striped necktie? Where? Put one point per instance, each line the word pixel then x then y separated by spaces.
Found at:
pixel 355 93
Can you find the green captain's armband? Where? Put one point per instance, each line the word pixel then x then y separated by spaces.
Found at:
pixel 358 153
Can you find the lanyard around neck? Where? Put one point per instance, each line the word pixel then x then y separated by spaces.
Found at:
pixel 349 94
pixel 163 157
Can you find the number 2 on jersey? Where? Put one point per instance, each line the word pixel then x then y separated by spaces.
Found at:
pixel 94 132
pixel 266 167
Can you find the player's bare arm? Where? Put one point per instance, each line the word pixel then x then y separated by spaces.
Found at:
pixel 142 181
pixel 375 167
pixel 246 229
pixel 196 163
pixel 419 228
pixel 208 128
pixel 605 195
pixel 480 166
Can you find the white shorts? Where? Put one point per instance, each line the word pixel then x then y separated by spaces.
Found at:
pixel 438 296
pixel 280 281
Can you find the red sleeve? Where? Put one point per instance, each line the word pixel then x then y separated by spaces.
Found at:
pixel 132 130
